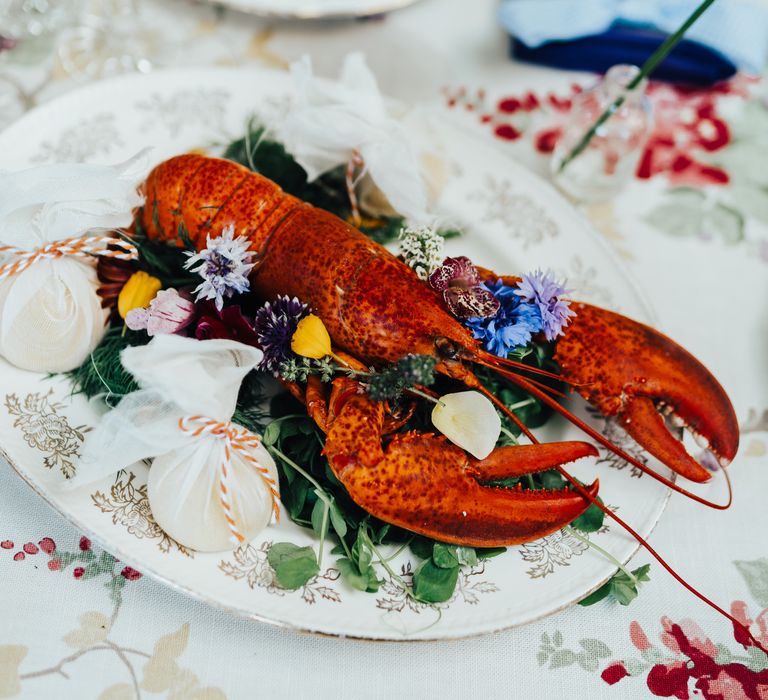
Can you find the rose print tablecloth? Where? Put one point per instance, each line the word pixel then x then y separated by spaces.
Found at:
pixel 693 229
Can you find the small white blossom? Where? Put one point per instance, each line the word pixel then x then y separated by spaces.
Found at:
pixel 422 250
pixel 224 266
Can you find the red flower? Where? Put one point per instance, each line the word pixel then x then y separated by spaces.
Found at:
pixel 669 681
pixel 84 544
pixel 19 556
pixel 54 564
pixel 6 544
pixel 507 132
pixel 546 140
pixel 229 323
pixel 614 673
pixel 47 545
pixel 130 574
pixel 30 548
pixel 78 572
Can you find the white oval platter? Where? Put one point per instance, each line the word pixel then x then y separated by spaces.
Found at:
pixel 514 222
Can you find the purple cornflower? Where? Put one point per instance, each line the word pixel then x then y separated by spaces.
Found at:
pixel 224 266
pixel 540 288
pixel 513 325
pixel 275 325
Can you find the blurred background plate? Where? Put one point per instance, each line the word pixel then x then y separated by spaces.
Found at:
pixel 313 9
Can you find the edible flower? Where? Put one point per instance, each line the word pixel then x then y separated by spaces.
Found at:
pixel 227 324
pixel 541 289
pixel 224 266
pixel 168 312
pixel 469 420
pixel 275 324
pixel 421 249
pixel 311 338
pixel 512 326
pixel 463 293
pixel 138 291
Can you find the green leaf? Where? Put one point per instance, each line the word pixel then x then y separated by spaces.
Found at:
pixel 271 433
pixel 421 547
pixel 557 638
pixel 635 667
pixel 595 648
pixel 587 661
pixel 725 222
pixel 467 556
pixel 562 658
pixel 293 565
pixel 681 213
pixel 433 584
pixel 337 520
pixel 367 582
pixel 755 574
pixel 362 552
pixel 591 520
pixel 641 573
pixel 596 596
pixel 320 518
pixel 444 556
pixel 542 657
pixel 489 552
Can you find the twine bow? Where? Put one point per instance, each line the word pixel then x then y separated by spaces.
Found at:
pixel 72 247
pixel 236 440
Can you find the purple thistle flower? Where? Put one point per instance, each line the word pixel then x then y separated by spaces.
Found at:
pixel 224 266
pixel 275 325
pixel 541 288
pixel 513 325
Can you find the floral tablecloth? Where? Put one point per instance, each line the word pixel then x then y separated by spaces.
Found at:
pixel 692 227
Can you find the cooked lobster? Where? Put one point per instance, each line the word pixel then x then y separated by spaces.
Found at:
pixel 377 310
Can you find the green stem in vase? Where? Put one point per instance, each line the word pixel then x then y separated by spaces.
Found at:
pixel 647 68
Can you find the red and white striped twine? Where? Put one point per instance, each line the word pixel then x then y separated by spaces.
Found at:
pixel 235 440
pixel 68 247
pixel 356 161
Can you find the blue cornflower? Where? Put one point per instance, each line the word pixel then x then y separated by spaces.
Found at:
pixel 511 327
pixel 542 290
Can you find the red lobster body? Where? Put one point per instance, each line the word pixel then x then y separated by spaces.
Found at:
pixel 377 311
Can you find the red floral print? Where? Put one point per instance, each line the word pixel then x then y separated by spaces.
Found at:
pixel 687 126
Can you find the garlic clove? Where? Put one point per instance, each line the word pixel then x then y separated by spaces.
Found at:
pixel 468 420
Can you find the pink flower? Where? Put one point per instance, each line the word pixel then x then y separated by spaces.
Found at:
pixel 169 312
pixel 741 613
pixel 694 635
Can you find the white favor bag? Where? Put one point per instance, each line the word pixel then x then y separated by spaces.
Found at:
pixel 50 315
pixel 184 384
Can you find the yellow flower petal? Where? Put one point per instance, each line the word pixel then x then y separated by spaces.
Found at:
pixel 138 291
pixel 311 338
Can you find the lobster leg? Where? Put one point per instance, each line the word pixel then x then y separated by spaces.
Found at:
pixel 633 372
pixel 427 485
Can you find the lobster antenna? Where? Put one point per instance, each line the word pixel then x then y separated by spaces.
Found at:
pixel 736 623
pixel 496 363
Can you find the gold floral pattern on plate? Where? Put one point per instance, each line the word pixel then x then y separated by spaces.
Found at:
pixel 45 429
pixel 129 506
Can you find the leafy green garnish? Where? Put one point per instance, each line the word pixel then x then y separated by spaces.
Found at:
pixel 293 565
pixel 622 587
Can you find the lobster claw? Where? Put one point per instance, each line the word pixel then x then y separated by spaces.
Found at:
pixel 633 372
pixel 425 484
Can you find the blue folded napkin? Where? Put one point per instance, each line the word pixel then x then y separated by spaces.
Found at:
pixel 690 63
pixel 735 32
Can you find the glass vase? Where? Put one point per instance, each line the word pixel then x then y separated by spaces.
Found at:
pixel 609 161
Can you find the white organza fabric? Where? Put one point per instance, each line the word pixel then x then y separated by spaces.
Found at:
pixel 180 378
pixel 326 121
pixel 50 315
